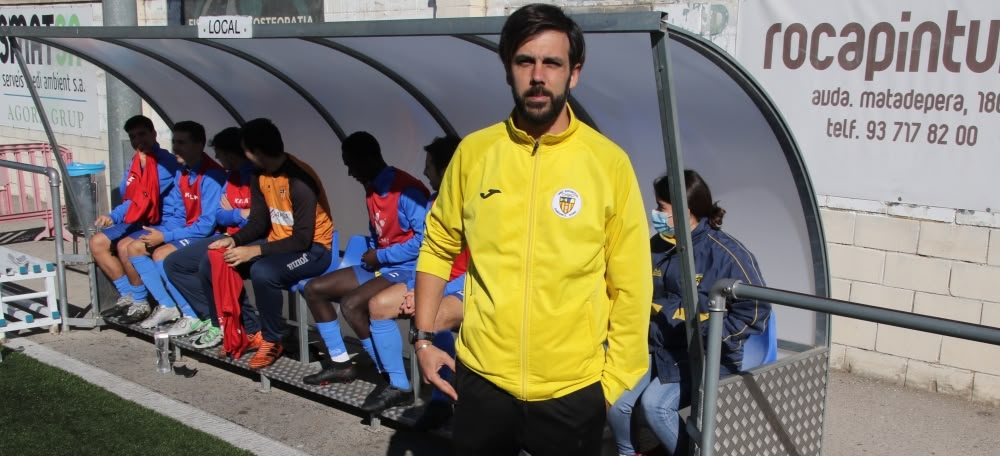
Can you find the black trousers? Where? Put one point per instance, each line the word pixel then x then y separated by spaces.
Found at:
pixel 489 421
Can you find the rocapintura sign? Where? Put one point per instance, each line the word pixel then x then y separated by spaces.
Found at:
pixel 894 101
pixel 900 46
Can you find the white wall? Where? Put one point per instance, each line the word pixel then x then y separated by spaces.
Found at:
pixel 85 149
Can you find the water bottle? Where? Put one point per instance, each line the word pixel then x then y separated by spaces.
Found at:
pixel 162 350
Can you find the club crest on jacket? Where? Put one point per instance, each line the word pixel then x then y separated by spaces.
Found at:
pixel 567 203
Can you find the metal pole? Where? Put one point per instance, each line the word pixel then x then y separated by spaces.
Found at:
pixel 713 354
pixel 848 309
pixel 122 101
pixel 24 167
pixel 60 264
pixel 675 171
pixel 302 319
pixel 175 9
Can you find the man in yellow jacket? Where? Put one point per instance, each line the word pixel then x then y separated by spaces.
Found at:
pixel 558 290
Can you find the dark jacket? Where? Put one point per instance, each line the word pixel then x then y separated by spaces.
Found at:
pixel 717 255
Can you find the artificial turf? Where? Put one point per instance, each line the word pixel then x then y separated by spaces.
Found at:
pixel 46 411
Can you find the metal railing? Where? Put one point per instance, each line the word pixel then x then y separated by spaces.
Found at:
pixel 724 289
pixel 72 203
pixel 54 180
pixel 21 191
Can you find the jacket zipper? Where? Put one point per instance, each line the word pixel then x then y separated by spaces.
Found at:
pixel 527 273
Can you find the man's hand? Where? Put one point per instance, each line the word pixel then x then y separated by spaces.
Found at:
pixel 153 237
pixel 408 306
pixel 103 221
pixel 239 255
pixel 370 258
pixel 431 360
pixel 224 242
pixel 245 212
pixel 224 203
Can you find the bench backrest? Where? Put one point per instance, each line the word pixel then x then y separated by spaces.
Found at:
pixel 356 247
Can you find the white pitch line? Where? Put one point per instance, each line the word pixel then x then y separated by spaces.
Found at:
pixel 201 420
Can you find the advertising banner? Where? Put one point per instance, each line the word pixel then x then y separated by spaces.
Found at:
pixel 67 85
pixel 894 100
pixel 263 11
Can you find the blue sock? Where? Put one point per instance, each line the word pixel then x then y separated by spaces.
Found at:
pixel 370 349
pixel 446 342
pixel 151 279
pixel 124 288
pixel 330 332
pixel 174 293
pixel 139 292
pixel 389 346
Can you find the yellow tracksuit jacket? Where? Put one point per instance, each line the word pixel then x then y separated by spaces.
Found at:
pixel 559 265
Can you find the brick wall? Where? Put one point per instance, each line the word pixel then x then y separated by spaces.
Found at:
pixel 931 261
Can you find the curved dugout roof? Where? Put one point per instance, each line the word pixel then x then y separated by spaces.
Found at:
pixel 409 81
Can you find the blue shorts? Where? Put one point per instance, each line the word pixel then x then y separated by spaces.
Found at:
pixel 398 275
pixel 117 232
pixel 181 243
pixel 454 288
pixel 177 243
pixel 393 275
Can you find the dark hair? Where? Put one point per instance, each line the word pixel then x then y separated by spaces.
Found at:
pixel 530 20
pixel 441 149
pixel 195 129
pixel 228 141
pixel 699 197
pixel 139 121
pixel 362 145
pixel 261 136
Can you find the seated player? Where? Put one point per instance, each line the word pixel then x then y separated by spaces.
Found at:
pixel 230 215
pixel 149 179
pixel 397 300
pixel 396 209
pixel 287 236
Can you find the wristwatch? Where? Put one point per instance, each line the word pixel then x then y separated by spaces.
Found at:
pixel 416 334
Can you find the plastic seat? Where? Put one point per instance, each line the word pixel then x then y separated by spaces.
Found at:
pixel 762 348
pixel 356 247
pixel 335 251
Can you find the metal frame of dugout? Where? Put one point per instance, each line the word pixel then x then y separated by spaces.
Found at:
pixel 651 88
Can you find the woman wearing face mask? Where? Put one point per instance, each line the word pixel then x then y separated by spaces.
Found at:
pixel 717 255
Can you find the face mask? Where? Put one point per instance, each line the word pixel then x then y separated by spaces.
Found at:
pixel 661 223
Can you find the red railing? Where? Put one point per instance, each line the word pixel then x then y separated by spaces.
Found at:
pixel 24 196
